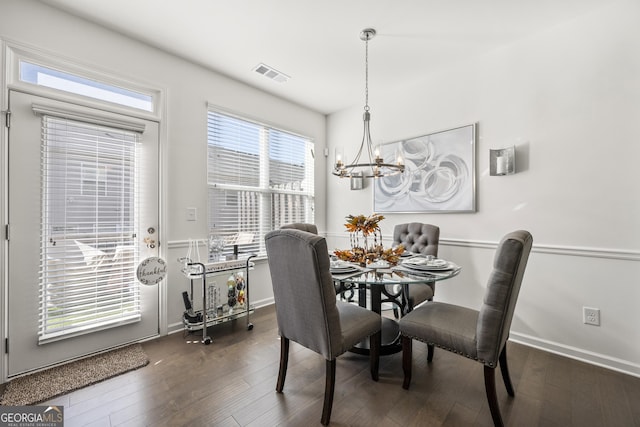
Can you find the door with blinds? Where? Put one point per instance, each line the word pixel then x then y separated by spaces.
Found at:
pixel 83 211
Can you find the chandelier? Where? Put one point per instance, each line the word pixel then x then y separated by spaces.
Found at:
pixel 375 167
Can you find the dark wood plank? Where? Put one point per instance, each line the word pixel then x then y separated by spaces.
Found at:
pixel 586 398
pixel 616 407
pixel 232 383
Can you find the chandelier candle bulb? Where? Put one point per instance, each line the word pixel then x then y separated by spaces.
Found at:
pixel 338 158
pixel 501 165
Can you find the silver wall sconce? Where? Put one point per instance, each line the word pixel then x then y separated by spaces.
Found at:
pixel 502 161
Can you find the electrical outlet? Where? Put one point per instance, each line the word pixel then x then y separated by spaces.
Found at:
pixel 591 316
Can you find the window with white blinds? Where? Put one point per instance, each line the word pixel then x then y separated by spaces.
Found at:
pixel 89 221
pixel 259 179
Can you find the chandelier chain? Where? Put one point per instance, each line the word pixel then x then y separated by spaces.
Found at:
pixel 366 75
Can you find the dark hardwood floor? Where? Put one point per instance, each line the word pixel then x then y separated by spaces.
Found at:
pixel 232 383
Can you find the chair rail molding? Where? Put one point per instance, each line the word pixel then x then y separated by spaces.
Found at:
pixel 582 251
pixel 579 251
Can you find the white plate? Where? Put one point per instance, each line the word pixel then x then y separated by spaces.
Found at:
pixel 343 270
pixel 420 261
pixel 422 264
pixel 427 267
pixel 343 267
pixel 339 264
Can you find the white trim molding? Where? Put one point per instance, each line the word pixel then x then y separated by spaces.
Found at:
pixel 580 251
pixel 619 254
pixel 184 244
pixel 602 360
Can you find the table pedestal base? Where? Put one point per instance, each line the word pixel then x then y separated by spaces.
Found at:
pixel 389 344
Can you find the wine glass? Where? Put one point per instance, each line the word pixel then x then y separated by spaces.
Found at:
pixel 216 246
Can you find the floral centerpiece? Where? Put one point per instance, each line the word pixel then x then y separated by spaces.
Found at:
pixel 366 241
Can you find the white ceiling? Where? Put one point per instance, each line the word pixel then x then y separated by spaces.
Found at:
pixel 317 42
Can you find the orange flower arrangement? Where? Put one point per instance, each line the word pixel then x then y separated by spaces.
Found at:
pixel 363 226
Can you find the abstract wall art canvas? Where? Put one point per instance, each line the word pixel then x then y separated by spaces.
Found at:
pixel 439 174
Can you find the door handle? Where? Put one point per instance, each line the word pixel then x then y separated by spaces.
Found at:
pixel 149 241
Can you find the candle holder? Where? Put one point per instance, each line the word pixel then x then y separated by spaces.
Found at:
pixel 502 161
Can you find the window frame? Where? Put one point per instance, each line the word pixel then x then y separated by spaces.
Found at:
pixel 16 53
pixel 265 220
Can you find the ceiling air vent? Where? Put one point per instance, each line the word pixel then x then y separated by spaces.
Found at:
pixel 271 73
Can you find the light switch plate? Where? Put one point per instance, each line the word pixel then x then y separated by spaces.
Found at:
pixel 192 214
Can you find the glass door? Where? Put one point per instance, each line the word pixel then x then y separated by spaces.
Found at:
pixel 83 207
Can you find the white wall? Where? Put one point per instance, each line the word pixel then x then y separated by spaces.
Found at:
pixel 188 88
pixel 568 99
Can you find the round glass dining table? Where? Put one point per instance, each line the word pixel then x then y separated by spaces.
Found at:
pixel 377 286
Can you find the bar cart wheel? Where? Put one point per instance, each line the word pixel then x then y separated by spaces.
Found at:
pixel 249 326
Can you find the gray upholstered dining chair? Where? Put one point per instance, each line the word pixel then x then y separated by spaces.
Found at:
pixel 307 309
pixel 481 334
pixel 422 239
pixel 304 226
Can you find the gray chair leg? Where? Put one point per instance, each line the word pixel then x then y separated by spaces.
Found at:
pixel 504 368
pixel 492 397
pixel 284 361
pixel 406 361
pixel 374 354
pixel 329 387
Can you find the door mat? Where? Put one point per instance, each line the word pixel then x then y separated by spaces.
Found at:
pixel 45 385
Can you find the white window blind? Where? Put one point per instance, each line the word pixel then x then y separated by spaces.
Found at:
pixel 259 178
pixel 89 222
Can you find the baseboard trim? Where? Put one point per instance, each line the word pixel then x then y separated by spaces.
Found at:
pixel 604 361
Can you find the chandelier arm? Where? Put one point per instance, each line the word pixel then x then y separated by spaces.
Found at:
pixel 356 159
pixel 360 165
pixel 367 136
pixel 391 172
